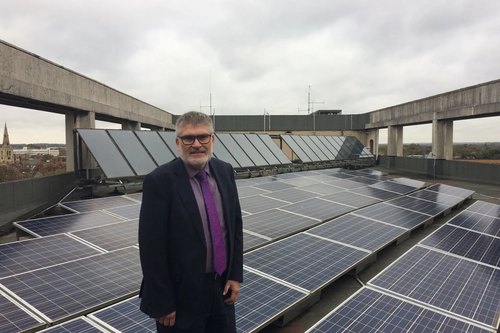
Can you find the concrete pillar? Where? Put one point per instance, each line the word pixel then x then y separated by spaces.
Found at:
pixel 131 125
pixel 80 119
pixel 442 139
pixel 395 141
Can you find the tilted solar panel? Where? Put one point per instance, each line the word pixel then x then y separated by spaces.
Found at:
pixel 262 148
pixel 418 205
pixel 235 150
pixel 302 155
pixel 394 215
pixel 438 197
pixel 251 241
pixel 89 205
pixel 250 150
pixel 477 222
pixel 273 147
pixel 317 208
pixel 155 146
pixel 451 190
pixel 111 237
pixel 394 187
pixel 130 212
pixel 169 139
pixel 351 199
pixel 485 208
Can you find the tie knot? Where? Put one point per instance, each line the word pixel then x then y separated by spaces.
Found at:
pixel 201 176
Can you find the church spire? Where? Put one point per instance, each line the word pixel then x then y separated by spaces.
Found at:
pixel 6 142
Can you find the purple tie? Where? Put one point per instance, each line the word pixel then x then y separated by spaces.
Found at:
pixel 213 220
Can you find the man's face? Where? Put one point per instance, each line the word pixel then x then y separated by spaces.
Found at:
pixel 196 154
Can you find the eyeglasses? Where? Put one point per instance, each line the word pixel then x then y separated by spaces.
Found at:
pixel 189 139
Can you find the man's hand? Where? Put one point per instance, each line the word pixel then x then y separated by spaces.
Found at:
pixel 234 286
pixel 168 320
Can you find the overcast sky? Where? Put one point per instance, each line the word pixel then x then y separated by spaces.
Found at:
pixel 357 56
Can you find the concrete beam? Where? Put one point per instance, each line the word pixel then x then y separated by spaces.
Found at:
pixel 442 139
pixel 395 141
pixel 131 126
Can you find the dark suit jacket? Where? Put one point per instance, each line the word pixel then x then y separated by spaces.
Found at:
pixel 172 242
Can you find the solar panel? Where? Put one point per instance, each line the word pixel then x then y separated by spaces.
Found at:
pixel 124 317
pixel 304 260
pixel 259 203
pixel 296 149
pixel 133 151
pixel 446 282
pixel 317 208
pixel 329 146
pixel 347 184
pixel 394 215
pixel 24 256
pixel 80 325
pixel 451 190
pixel 276 223
pixel 322 188
pixel 371 172
pixel 106 154
pixel 250 150
pixel 465 243
pixel 358 231
pixel 223 154
pixel 261 147
pixel 338 147
pixel 371 311
pixel 65 223
pixel 155 146
pixel 417 205
pixel 485 208
pixel 275 186
pixel 351 199
pixel 394 187
pixel 374 193
pixel 262 300
pixel 79 286
pixel 169 139
pixel 129 212
pixel 291 195
pixel 14 318
pixel 438 197
pixel 135 196
pixel 409 182
pixel 343 176
pixel 89 205
pixel 235 150
pixel 478 222
pixel 321 146
pixel 273 147
pixel 111 237
pixel 251 241
pixel 309 148
pixel 300 181
pixel 249 191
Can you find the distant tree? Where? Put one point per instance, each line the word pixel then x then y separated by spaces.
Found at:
pixel 412 149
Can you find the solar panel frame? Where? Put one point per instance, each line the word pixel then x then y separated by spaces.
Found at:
pixel 80 325
pixel 250 150
pixel 16 318
pixel 429 277
pixel 370 310
pixel 31 254
pixel 134 152
pixel 105 152
pixel 304 260
pixel 156 147
pixel 329 146
pixel 337 146
pixel 221 152
pixel 64 291
pixel 66 223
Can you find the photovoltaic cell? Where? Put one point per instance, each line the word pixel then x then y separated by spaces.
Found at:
pixel 125 317
pixel 485 208
pixel 351 199
pixel 14 319
pixel 261 147
pixel 358 231
pixel 66 223
pixel 438 197
pixel 24 256
pixel 79 286
pixel 261 301
pixel 465 243
pixel 421 206
pixel 79 325
pixel 89 205
pixel 393 215
pixel 248 148
pixel 111 237
pixel 129 212
pixel 300 181
pixel 155 146
pixel 451 190
pixel 457 285
pixel 106 154
pixel 130 146
pixel 371 311
pixel 169 139
pixel 276 223
pixel 317 208
pixel 273 147
pixel 304 260
pixel 259 203
pixel 477 222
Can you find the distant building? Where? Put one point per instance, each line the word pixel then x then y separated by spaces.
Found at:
pixel 328 112
pixel 36 152
pixel 6 152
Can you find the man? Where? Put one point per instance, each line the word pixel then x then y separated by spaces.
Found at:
pixel 190 236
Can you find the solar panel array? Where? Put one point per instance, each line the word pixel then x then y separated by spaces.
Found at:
pixel 449 282
pixel 121 153
pixel 279 274
pixel 315 149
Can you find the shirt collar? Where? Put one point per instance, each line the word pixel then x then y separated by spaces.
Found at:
pixel 192 171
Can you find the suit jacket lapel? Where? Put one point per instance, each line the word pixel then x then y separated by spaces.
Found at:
pixel 189 200
pixel 222 186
